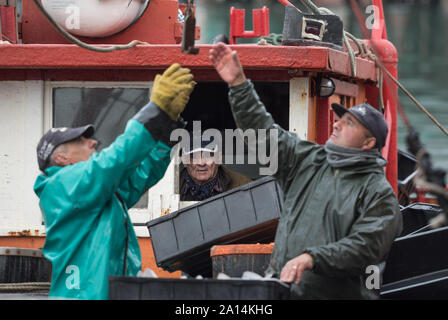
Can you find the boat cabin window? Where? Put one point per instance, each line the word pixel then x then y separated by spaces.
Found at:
pixel 108 109
pixel 209 105
pixel 110 105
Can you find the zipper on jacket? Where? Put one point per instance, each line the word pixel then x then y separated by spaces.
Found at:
pixel 127 234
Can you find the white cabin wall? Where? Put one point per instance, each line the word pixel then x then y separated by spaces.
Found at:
pixel 298 106
pixel 21 126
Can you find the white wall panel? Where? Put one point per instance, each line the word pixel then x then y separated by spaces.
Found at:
pixel 21 126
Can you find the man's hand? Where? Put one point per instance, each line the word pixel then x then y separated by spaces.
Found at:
pixel 294 268
pixel 173 82
pixel 227 64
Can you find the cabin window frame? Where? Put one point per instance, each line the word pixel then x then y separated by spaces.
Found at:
pixel 139 216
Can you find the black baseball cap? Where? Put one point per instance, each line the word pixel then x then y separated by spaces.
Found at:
pixel 57 136
pixel 369 117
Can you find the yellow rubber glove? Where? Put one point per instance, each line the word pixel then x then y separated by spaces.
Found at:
pixel 169 85
pixel 180 101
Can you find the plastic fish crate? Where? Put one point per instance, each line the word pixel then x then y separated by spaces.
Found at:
pixel 233 260
pixel 416 255
pixel 418 215
pixel 135 288
pixel 248 214
pixel 432 285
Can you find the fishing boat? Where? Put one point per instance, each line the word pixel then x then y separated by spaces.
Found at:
pixel 70 63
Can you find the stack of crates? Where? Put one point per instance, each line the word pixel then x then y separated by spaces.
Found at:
pixel 183 239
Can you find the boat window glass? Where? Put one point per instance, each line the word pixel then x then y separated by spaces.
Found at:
pixel 108 109
pixel 209 104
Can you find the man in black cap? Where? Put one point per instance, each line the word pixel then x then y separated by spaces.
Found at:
pixel 85 195
pixel 340 214
pixel 64 146
pixel 203 175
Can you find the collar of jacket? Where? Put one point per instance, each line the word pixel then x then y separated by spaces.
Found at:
pixel 341 157
pixel 42 179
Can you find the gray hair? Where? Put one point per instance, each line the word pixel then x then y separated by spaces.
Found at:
pixel 62 148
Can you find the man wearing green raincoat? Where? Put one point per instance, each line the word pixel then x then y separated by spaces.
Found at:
pixel 340 214
pixel 84 195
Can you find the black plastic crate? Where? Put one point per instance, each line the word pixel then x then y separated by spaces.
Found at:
pixel 417 215
pixel 432 285
pixel 248 214
pixel 135 288
pixel 416 255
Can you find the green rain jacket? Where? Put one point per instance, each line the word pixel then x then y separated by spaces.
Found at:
pixel 89 235
pixel 345 218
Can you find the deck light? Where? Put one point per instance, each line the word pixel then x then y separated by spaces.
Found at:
pixel 325 87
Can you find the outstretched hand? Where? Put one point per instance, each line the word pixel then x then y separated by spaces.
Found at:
pixel 227 64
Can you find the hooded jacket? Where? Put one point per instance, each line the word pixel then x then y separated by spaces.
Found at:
pixel 89 235
pixel 345 218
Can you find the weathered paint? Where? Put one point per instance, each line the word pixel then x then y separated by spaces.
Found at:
pixel 299 93
pixel 21 126
pixel 157 25
pixel 159 57
pixel 233 249
pixel 8 24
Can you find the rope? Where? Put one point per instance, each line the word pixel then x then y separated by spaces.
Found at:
pixel 84 45
pixel 24 287
pixel 419 105
pixel 368 53
pixel 358 44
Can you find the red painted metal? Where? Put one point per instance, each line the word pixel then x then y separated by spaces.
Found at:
pixel 115 75
pixel 8 24
pixel 388 55
pixel 345 88
pixel 260 18
pixel 286 3
pixel 323 120
pixel 157 25
pixel 253 57
pixel 235 249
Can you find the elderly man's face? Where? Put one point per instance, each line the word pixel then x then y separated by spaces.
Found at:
pixel 201 166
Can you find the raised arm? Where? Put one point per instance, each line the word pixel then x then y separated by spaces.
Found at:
pixel 250 113
pixel 146 135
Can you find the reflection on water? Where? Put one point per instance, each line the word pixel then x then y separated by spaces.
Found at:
pixel 419 31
